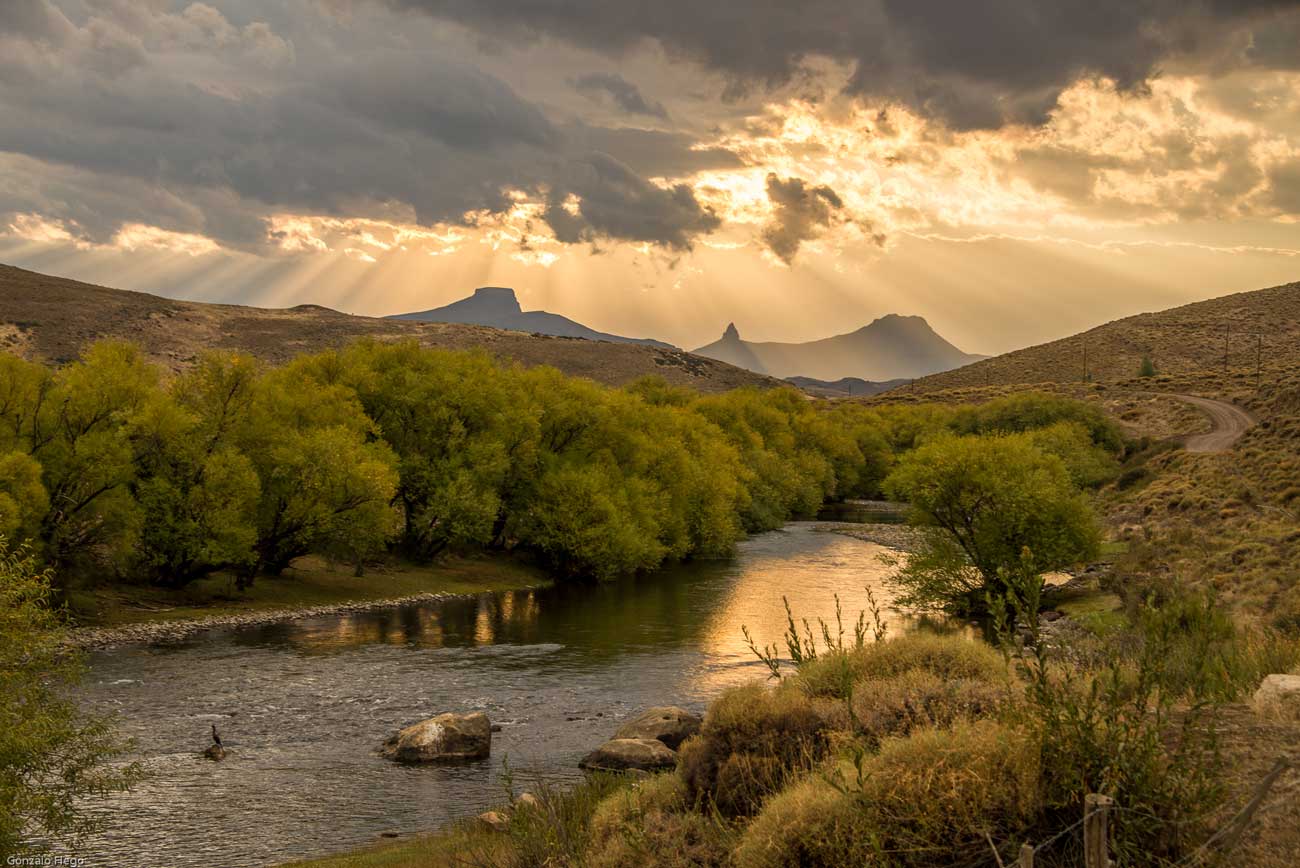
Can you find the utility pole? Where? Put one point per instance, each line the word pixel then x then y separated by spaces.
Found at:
pixel 1085 360
pixel 1227 332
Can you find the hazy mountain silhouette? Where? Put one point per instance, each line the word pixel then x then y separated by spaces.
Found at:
pixel 846 386
pixel 890 348
pixel 497 306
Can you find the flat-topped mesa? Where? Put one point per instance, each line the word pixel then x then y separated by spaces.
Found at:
pixel 498 307
pixel 499 298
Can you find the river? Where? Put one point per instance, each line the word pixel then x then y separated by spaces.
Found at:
pixel 302 705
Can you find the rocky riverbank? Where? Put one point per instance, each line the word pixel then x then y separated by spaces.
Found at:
pixel 89 638
pixel 901 537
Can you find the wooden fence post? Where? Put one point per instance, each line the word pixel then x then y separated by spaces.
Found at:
pixel 1096 846
pixel 1026 856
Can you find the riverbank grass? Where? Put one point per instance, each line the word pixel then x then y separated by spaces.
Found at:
pixel 311 581
pixel 444 850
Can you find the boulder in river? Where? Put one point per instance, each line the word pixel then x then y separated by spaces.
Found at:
pixel 215 752
pixel 630 754
pixel 447 737
pixel 666 723
pixel 1279 695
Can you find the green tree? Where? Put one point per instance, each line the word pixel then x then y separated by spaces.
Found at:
pixel 996 507
pixel 1147 368
pixel 465 433
pixel 197 492
pixel 23 499
pixel 326 481
pixel 80 429
pixel 52 755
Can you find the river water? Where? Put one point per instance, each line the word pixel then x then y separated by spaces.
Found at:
pixel 302 705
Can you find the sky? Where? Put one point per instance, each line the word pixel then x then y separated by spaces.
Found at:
pixel 1012 170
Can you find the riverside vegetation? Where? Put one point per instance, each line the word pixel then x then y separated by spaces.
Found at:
pixel 879 752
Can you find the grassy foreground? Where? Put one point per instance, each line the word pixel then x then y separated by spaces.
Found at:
pixel 310 582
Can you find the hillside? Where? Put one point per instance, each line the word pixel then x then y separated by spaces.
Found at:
pixel 1220 520
pixel 51 319
pixel 1185 343
pixel 497 306
pixel 890 348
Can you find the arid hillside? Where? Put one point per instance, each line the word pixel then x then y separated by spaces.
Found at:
pixel 1185 343
pixel 1227 519
pixel 51 319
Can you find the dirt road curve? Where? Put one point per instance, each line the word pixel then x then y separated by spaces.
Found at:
pixel 1229 423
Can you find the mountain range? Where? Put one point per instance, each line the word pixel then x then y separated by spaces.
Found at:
pixel 889 348
pixel 52 319
pixel 497 306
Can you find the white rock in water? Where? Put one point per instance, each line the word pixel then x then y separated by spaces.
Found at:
pixel 445 737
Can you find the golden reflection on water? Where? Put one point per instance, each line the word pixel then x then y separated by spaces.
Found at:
pixel 702 606
pixel 812 579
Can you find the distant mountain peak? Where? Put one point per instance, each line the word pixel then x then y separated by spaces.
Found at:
pixel 498 307
pixel 892 347
pixel 500 298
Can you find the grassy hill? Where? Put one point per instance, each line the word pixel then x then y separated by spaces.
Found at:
pixel 1185 343
pixel 1228 521
pixel 51 319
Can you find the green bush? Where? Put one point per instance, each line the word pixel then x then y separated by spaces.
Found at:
pixel 811 824
pixel 918 699
pixel 651 823
pixel 925 799
pixel 753 740
pixel 53 757
pixel 947 657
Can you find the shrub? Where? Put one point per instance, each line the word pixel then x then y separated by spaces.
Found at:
pixel 917 699
pixel 927 799
pixel 53 757
pixel 811 824
pixel 652 824
pixel 555 832
pixel 752 741
pixel 948 657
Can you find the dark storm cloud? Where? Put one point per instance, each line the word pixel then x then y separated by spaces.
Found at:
pixel 188 121
pixel 653 153
pixel 618 203
pixel 974 63
pixel 800 212
pixel 625 94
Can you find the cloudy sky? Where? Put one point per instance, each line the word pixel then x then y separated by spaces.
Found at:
pixel 1013 170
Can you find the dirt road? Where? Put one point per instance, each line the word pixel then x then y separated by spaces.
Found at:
pixel 1228 423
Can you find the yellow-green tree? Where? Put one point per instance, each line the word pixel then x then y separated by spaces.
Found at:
pixel 998 509
pixel 197 492
pixel 52 755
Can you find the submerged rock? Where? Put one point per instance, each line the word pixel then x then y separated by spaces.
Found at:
pixel 446 737
pixel 215 752
pixel 666 723
pixel 630 754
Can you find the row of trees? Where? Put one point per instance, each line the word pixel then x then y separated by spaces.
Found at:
pixel 233 466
